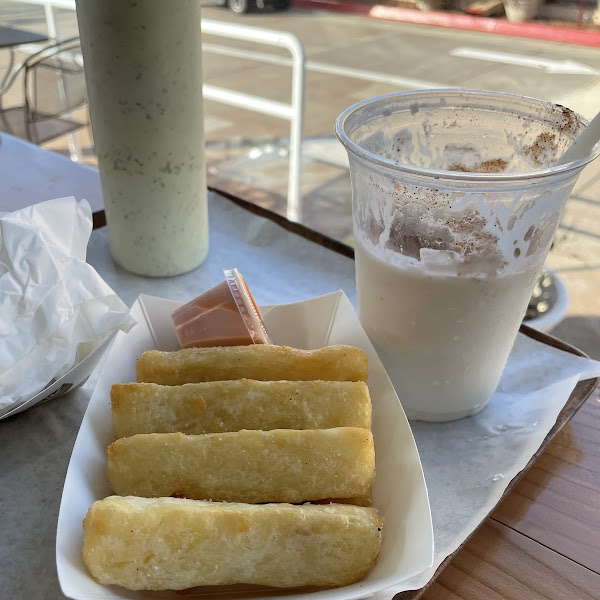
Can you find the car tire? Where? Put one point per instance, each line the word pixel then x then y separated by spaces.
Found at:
pixel 241 7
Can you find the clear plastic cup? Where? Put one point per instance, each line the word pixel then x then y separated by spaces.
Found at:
pixel 455 206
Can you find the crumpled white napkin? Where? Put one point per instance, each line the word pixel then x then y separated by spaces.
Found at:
pixel 54 308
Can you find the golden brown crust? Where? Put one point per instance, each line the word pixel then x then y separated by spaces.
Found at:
pixel 263 362
pixel 167 543
pixel 282 465
pixel 220 406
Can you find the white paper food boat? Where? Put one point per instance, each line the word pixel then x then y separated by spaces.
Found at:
pixel 399 492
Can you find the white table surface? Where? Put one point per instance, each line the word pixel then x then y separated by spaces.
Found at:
pixel 29 175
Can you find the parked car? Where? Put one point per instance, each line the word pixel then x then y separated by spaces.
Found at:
pixel 245 6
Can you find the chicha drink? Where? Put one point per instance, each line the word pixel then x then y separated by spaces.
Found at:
pixel 455 206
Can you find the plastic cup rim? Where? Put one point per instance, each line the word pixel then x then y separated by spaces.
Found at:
pixel 516 177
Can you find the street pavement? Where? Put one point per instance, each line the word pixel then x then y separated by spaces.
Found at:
pixel 350 58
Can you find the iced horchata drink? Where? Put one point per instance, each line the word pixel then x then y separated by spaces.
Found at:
pixel 143 66
pixel 455 205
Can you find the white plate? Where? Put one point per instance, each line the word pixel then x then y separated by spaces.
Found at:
pixel 399 492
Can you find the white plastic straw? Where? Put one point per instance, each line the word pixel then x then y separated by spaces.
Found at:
pixel 584 143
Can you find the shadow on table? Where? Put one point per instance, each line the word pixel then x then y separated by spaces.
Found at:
pixel 582 332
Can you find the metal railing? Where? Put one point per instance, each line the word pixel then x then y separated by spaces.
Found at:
pixel 293 112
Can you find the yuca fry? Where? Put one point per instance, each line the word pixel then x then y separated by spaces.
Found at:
pixel 282 465
pixel 171 543
pixel 264 362
pixel 220 406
